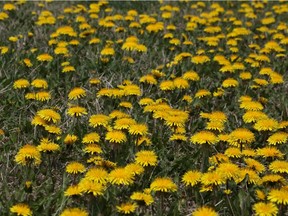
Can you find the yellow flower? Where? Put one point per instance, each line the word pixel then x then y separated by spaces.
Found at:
pixel 191 177
pixel 241 136
pixel 200 59
pixel 138 129
pixel 27 62
pixel 228 170
pixel 202 93
pixel 44 57
pixel 68 68
pixel 76 93
pixel 43 96
pixel 75 168
pixel 181 83
pixel 146 158
pixel 204 211
pixel 47 145
pixel 88 186
pixel 251 105
pixel 127 208
pixel 245 75
pixel 107 51
pixel 279 166
pixel 265 209
pixel 74 212
pixel 269 152
pixel 116 136
pixel 28 153
pixel 21 209
pixel 121 176
pixel 21 83
pixel 124 123
pixel 97 120
pixel 215 116
pixel 135 168
pixel 146 197
pixel 266 125
pixel 233 152
pixel 149 79
pixel 212 178
pixel 72 191
pixel 278 138
pixel 98 175
pixel 230 83
pixel 70 139
pixel 77 111
pixel 163 185
pixel 49 115
pixel 167 85
pixel 254 165
pixel 39 83
pixel 203 137
pixel 279 196
pixel 91 138
pixel 253 116
pixel 92 148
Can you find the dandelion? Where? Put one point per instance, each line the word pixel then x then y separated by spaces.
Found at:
pixel 87 186
pixel 47 146
pixel 204 137
pixel 74 212
pixel 68 68
pixel 163 185
pixel 278 138
pixel 269 152
pixel 202 93
pixel 207 211
pixel 242 136
pixel 167 85
pixel 121 176
pixel 92 148
pixel 49 115
pixel 279 196
pixel 75 168
pixel 146 158
pixel 53 129
pixel 42 96
pixel 191 178
pixel 77 111
pixel 135 168
pixel 70 139
pixel 279 166
pixel 138 129
pixel 28 153
pixel 230 83
pixel 251 105
pixel 146 197
pixel 21 209
pixel 265 209
pixel 116 136
pixel 266 125
pixel 91 138
pixel 127 208
pixel 72 190
pixel 76 93
pixel 44 57
pixel 21 83
pixel 98 175
pixel 212 178
pixel 40 83
pixel 253 116
pixel 124 123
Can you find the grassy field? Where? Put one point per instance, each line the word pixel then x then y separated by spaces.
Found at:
pixel 159 108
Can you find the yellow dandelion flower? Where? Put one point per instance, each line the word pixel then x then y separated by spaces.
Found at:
pixel 92 148
pixel 127 208
pixel 39 83
pixel 265 209
pixel 180 83
pixel 179 137
pixel 74 212
pixel 28 153
pixel 70 139
pixel 254 165
pixel 98 175
pixel 47 145
pixel 91 138
pixel 116 136
pixel 77 111
pixel 53 129
pixel 269 152
pixel 204 210
pixel 253 116
pixel 253 177
pixel 124 123
pixel 135 168
pixel 278 166
pixel 266 125
pixel 272 178
pixel 49 115
pixel 146 158
pixel 260 195
pixel 118 114
pixel 72 190
pixel 76 93
pixel 21 209
pixel 149 79
pixel 241 135
pixel 245 75
pixel 212 178
pixel 121 176
pixel 43 96
pixel 229 83
pixel 98 120
pixel 138 129
pixel 202 93
pixel 44 57
pixel 251 105
pixel 204 137
pixel 215 125
pixel 200 59
pixel 164 184
pixel 233 152
pixel 21 83
pixel 279 196
pixel 107 51
pixel 191 177
pixel 146 197
pixel 278 138
pixel 68 68
pixel 167 85
pixel 91 187
pixel 75 168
